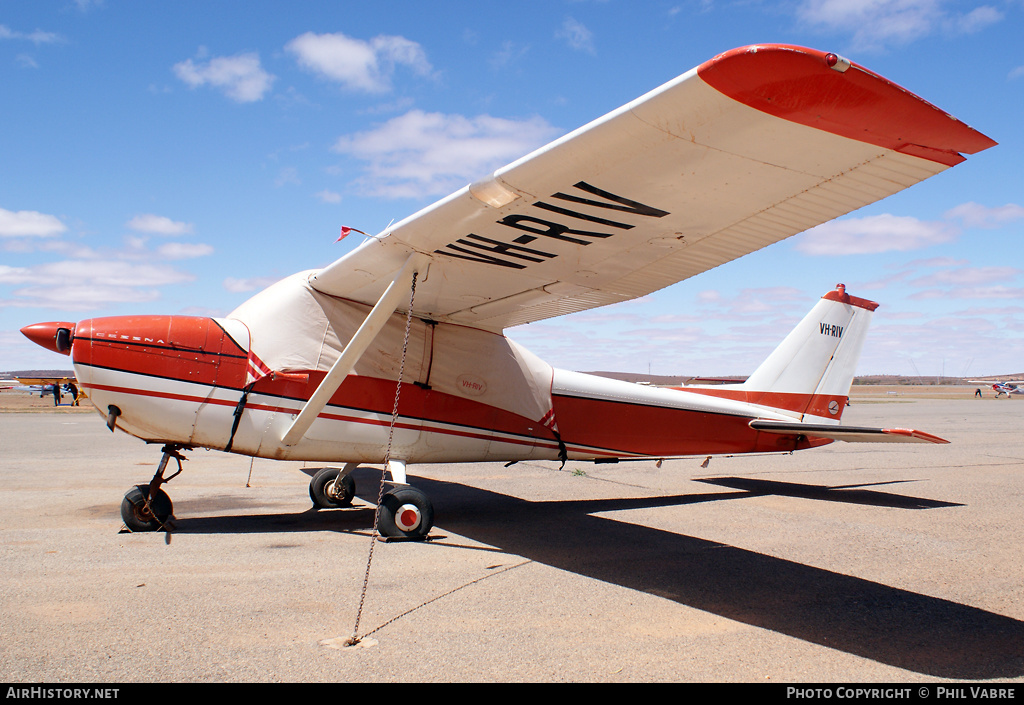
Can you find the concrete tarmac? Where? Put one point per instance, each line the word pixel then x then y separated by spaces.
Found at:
pixel 849 563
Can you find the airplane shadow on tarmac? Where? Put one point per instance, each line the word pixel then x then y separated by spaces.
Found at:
pixel 908 630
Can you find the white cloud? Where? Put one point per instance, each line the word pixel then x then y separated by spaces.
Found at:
pixel 37 37
pixel 14 275
pixel 976 20
pixel 76 277
pixel 287 175
pixel 873 24
pixel 974 215
pixel 357 64
pixel 29 224
pixel 85 5
pixel 328 196
pixel 934 262
pixel 110 272
pixel 886 233
pixel 80 296
pixel 240 77
pixel 158 225
pixel 967 276
pixel 576 35
pixel 989 292
pixel 423 154
pixel 873 234
pixel 183 250
pixel 77 285
pixel 715 335
pixel 508 54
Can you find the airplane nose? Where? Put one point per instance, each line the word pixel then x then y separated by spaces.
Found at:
pixel 54 335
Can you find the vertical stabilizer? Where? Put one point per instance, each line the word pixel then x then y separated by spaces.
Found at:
pixel 810 373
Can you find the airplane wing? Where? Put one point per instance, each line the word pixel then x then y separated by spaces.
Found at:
pixel 756 145
pixel 39 381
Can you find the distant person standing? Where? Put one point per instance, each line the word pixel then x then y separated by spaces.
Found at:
pixel 977 392
pixel 73 391
pixel 56 395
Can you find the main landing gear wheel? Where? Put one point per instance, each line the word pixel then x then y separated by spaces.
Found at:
pixel 137 516
pixel 328 492
pixel 405 512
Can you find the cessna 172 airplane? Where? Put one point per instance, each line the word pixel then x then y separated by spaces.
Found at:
pixel 751 147
pixel 1000 387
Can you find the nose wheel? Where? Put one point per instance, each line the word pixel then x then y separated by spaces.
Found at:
pixel 140 513
pixel 330 489
pixel 147 507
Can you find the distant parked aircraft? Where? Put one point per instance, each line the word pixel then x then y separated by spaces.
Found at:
pixel 1008 387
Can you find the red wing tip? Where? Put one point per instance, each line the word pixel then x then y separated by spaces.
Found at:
pixel 912 433
pixel 805 86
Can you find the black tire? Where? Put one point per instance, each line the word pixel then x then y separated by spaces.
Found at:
pixel 405 512
pixel 323 486
pixel 135 514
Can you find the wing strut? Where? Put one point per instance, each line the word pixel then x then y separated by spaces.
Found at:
pixel 371 326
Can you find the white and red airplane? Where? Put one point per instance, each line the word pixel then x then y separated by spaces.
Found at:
pixel 1001 387
pixel 751 147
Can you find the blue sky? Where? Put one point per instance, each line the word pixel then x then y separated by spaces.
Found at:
pixel 175 157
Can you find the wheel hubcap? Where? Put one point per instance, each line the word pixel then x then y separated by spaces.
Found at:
pixel 407 518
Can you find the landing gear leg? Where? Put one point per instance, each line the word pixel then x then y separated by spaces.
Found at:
pixel 147 507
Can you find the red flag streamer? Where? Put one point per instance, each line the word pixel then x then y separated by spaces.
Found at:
pixel 345 230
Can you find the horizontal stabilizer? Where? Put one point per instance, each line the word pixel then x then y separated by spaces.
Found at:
pixel 850 434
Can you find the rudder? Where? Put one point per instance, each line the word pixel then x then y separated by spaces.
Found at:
pixel 816 361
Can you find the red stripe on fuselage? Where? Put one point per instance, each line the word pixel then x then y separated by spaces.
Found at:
pixel 596 428
pixel 657 431
pixel 196 351
pixel 359 393
pixel 423 423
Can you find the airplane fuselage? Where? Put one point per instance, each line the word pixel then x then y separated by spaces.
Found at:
pixel 180 380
